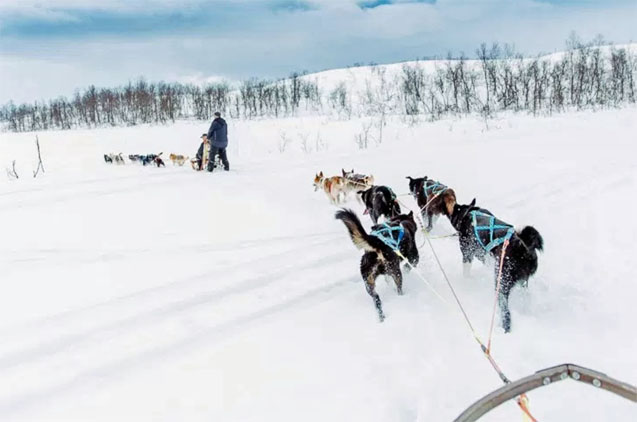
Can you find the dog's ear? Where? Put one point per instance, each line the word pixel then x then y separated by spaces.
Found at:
pixel 424 179
pixel 343 171
pixel 411 214
pixel 321 174
pixel 473 203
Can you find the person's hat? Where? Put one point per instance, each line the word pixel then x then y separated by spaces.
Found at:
pixel 217 114
pixel 205 134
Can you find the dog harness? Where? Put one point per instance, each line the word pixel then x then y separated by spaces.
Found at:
pixel 436 188
pixel 386 235
pixel 489 231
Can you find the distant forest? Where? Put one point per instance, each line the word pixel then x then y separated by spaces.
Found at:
pixel 586 75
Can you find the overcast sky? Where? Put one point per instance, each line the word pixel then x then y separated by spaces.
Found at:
pixel 51 48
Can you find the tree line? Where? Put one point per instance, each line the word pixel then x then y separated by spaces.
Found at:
pixel 143 102
pixel 585 75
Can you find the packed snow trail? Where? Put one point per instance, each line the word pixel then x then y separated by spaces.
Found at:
pixel 137 293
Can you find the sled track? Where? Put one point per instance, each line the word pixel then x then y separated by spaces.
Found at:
pixel 178 285
pixel 164 311
pixel 206 336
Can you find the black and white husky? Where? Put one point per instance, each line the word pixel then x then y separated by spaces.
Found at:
pixel 380 201
pixel 480 234
pixel 380 258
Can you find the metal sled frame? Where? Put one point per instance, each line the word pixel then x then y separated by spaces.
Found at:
pixel 543 378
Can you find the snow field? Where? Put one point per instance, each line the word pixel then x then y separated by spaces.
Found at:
pixel 135 293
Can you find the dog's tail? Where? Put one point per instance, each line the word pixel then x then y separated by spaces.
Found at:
pixel 532 238
pixel 359 236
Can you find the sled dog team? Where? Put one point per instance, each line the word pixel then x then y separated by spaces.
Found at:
pixel 176 159
pixel 145 160
pixel 392 242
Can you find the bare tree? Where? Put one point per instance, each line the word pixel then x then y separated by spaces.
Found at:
pixel 362 138
pixel 40 164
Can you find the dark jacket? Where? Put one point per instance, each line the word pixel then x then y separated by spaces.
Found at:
pixel 218 133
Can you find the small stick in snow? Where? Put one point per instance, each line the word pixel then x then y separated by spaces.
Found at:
pixel 12 173
pixel 40 164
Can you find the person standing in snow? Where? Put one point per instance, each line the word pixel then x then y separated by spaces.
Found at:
pixel 218 138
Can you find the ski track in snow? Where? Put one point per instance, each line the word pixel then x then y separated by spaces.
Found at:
pixel 163 294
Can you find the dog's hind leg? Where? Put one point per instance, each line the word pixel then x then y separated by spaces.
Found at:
pixel 430 223
pixel 503 302
pixel 370 271
pixel 369 285
pixel 467 256
pixel 506 284
pixel 397 275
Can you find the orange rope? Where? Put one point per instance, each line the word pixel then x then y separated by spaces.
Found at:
pixel 523 403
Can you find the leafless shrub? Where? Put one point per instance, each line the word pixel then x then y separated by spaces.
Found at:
pixel 306 145
pixel 362 138
pixel 284 141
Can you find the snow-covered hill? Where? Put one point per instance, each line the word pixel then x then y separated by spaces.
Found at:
pixel 135 293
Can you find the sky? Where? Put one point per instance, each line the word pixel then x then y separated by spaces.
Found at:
pixel 50 48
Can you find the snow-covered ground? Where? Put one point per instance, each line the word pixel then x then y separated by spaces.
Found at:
pixel 133 293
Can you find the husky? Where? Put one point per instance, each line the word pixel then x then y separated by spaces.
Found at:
pixel 334 187
pixel 119 159
pixel 482 234
pixel 381 247
pixel 178 159
pixel 380 201
pixel 356 181
pixel 433 198
pixel 151 159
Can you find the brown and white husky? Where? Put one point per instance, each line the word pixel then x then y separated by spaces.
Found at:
pixel 334 187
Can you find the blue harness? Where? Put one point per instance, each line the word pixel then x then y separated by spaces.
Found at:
pixel 386 235
pixel 498 231
pixel 435 188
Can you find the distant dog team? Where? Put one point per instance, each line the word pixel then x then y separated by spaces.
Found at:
pixel 136 158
